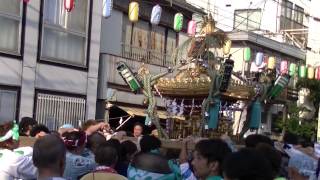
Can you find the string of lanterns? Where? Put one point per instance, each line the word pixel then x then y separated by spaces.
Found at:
pixel 285 68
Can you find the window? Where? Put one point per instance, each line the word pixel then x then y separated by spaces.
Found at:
pixel 142 41
pixel 10 26
pixel 65 34
pixel 286 9
pixel 8 104
pixel 55 111
pixel 247 19
pixel 298 14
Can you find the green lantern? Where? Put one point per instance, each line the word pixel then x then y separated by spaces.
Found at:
pixel 247 54
pixel 214 114
pixel 302 71
pixel 292 69
pixel 178 22
pixel 281 82
pixel 255 115
pixel 128 77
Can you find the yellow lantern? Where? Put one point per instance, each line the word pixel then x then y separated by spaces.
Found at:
pixel 310 72
pixel 271 62
pixel 227 47
pixel 133 11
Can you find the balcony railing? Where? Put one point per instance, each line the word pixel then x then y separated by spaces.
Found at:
pixel 149 56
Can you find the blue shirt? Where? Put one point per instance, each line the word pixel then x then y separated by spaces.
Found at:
pixel 77 166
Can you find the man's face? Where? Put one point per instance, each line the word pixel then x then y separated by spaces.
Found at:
pixel 137 131
pixel 200 165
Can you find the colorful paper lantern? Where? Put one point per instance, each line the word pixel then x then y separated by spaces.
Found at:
pixel 128 76
pixel 69 5
pixel 310 72
pixel 318 73
pixel 178 22
pixel 255 115
pixel 259 59
pixel 284 67
pixel 227 46
pixel 192 26
pixel 214 114
pixel 281 82
pixel 271 62
pixel 292 69
pixel 133 11
pixel 107 8
pixel 156 14
pixel 247 54
pixel 302 71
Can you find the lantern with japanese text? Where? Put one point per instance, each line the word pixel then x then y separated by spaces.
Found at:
pixel 302 71
pixel 133 11
pixel 247 54
pixel 192 26
pixel 284 67
pixel 178 22
pixel 156 14
pixel 259 59
pixel 271 62
pixel 107 8
pixel 69 5
pixel 227 47
pixel 310 72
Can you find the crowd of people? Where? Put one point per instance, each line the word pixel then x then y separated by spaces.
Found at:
pixel 90 152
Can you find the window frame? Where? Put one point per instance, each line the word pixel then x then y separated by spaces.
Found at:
pixel 18 91
pixel 18 54
pixel 64 62
pixel 150 30
pixel 246 21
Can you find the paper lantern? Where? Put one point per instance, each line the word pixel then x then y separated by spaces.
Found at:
pixel 107 8
pixel 133 11
pixel 292 69
pixel 318 73
pixel 178 22
pixel 214 114
pixel 128 76
pixel 69 5
pixel 271 62
pixel 284 67
pixel 227 47
pixel 281 82
pixel 156 14
pixel 310 73
pixel 247 54
pixel 255 115
pixel 192 26
pixel 259 59
pixel 302 71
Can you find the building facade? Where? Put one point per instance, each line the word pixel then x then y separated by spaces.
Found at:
pixel 49 60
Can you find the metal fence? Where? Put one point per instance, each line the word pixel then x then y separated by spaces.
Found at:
pixel 55 111
pixel 146 55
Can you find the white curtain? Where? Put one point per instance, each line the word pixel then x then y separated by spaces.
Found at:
pixel 64 46
pixel 8 102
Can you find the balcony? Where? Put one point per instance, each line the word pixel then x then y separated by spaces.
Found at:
pixel 148 56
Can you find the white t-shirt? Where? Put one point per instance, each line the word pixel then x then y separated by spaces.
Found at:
pixel 17 164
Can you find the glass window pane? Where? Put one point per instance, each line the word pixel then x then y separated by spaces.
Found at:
pixel 9 34
pixel 10 6
pixel 55 13
pixel 8 102
pixel 63 46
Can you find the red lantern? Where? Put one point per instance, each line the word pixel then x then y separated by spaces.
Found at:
pixel 26 1
pixel 318 73
pixel 69 5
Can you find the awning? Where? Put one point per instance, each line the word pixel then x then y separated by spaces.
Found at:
pixel 134 111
